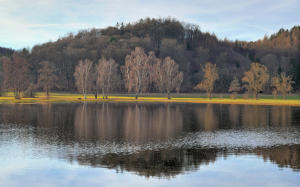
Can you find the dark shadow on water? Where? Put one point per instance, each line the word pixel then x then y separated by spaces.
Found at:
pixel 169 163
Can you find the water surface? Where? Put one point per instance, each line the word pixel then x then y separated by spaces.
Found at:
pixel 109 144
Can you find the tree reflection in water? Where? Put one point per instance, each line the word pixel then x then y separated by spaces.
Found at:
pixel 80 132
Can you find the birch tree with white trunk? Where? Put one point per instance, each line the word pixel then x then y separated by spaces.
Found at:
pixel 167 76
pixel 83 76
pixel 137 72
pixel 107 76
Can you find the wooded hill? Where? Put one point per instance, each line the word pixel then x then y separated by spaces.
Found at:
pixel 6 51
pixel 185 43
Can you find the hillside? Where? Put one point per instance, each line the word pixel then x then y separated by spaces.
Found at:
pixel 6 51
pixel 186 43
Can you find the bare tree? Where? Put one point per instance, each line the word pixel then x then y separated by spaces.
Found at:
pixel 235 87
pixel 107 76
pixel 210 76
pixel 47 77
pixel 83 76
pixel 137 71
pixel 282 83
pixel 29 92
pixel 94 86
pixel 256 78
pixel 16 74
pixel 167 76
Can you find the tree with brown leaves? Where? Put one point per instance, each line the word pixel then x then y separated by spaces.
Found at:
pixel 47 77
pixel 167 76
pixel 235 87
pixel 107 76
pixel 137 71
pixel 16 74
pixel 282 84
pixel 83 76
pixel 256 78
pixel 210 77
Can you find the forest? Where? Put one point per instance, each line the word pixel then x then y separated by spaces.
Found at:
pixel 162 40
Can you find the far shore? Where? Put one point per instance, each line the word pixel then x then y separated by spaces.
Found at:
pixel 292 100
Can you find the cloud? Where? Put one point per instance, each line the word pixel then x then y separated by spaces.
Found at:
pixel 26 23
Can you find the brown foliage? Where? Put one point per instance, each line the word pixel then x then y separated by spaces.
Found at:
pixel 16 73
pixel 256 78
pixel 282 84
pixel 185 43
pixel 235 87
pixel 47 77
pixel 210 76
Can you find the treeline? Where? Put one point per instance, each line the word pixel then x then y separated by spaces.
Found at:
pixel 184 43
pixel 6 51
pixel 141 73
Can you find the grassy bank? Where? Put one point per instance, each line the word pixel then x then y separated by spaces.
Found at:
pixel 292 100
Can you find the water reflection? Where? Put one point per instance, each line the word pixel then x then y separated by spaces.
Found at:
pixel 153 139
pixel 162 163
pixel 132 123
pixel 169 163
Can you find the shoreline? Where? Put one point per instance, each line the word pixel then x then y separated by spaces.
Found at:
pixel 127 99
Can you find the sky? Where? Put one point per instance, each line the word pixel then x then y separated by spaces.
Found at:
pixel 25 23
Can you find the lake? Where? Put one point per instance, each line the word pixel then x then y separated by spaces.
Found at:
pixel 130 144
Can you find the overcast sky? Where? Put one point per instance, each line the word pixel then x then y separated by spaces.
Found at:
pixel 24 23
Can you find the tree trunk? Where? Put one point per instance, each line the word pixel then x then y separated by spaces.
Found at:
pixel 19 94
pixel 96 94
pixel 255 95
pixel 233 95
pixel 209 95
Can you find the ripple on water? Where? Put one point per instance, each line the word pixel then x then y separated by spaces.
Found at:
pixel 28 142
